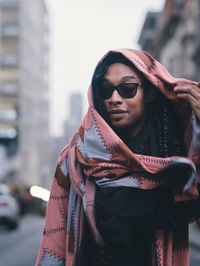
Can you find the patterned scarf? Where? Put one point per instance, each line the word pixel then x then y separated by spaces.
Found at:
pixel 96 155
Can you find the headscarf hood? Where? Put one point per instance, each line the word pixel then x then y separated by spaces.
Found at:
pixel 97 144
pixel 151 69
pixel 96 136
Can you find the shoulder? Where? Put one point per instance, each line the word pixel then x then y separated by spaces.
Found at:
pixel 62 169
pixel 63 156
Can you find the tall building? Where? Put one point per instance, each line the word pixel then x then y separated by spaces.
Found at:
pixel 76 106
pixel 176 38
pixel 178 42
pixel 149 32
pixel 24 105
pixel 71 124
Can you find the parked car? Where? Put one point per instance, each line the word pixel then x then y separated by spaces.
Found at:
pixel 9 208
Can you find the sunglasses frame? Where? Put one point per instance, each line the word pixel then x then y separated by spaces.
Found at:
pixel 118 90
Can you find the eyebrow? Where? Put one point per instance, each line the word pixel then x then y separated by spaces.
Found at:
pixel 123 78
pixel 128 77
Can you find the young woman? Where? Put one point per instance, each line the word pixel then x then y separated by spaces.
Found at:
pixel 126 186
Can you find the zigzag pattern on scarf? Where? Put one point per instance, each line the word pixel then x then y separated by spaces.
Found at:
pixel 51 259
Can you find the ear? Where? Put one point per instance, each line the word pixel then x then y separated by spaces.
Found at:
pixel 149 94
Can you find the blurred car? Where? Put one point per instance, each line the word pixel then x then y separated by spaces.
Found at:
pixel 9 208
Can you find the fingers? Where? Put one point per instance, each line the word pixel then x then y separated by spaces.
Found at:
pixel 188 89
pixel 190 93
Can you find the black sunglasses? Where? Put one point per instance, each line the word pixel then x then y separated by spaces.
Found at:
pixel 125 90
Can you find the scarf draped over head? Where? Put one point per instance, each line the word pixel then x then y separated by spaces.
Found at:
pixel 104 157
pixel 97 156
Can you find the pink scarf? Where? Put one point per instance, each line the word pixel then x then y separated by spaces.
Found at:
pixel 97 155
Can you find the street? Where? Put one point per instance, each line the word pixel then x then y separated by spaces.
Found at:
pixel 195 257
pixel 20 247
pixel 194 237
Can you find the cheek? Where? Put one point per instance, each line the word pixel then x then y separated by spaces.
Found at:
pixel 137 107
pixel 137 113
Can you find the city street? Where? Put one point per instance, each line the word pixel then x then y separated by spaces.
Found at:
pixel 194 245
pixel 195 257
pixel 20 247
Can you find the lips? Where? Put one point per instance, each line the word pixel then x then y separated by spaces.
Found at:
pixel 116 113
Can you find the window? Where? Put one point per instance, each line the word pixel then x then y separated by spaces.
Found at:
pixel 8 114
pixel 9 15
pixel 9 46
pixel 9 75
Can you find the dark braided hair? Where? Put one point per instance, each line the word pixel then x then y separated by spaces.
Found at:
pixel 169 136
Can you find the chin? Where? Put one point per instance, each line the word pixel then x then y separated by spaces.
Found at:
pixel 119 125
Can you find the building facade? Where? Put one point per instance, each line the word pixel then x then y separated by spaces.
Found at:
pixel 76 106
pixel 70 126
pixel 24 103
pixel 176 38
pixel 178 42
pixel 149 32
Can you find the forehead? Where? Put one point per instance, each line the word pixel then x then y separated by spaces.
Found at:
pixel 118 71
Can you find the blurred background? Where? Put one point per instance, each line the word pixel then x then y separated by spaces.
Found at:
pixel 48 51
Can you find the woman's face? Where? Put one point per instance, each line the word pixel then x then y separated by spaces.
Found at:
pixel 125 113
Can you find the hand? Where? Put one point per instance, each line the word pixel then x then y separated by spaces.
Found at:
pixel 190 93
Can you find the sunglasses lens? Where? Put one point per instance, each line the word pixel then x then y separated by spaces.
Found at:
pixel 128 90
pixel 106 92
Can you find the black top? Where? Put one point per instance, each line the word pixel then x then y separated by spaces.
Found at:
pixel 128 217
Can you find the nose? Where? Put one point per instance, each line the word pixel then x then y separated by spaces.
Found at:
pixel 115 98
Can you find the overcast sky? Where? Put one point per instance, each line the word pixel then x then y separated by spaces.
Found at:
pixel 81 31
